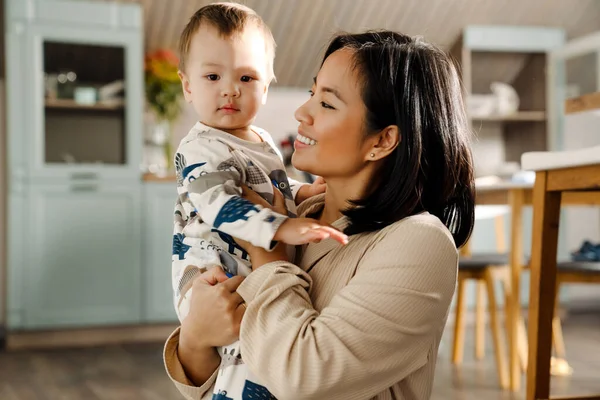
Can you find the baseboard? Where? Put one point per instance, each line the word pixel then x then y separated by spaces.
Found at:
pixel 87 337
pixel 470 315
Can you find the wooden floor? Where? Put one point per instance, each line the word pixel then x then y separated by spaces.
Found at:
pixel 136 371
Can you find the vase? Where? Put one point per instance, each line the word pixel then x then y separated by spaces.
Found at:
pixel 160 139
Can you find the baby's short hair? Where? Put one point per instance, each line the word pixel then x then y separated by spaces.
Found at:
pixel 228 19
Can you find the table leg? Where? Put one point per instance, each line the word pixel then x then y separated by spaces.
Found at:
pixel 516 201
pixel 546 215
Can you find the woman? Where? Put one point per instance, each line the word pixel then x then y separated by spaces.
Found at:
pixel 364 320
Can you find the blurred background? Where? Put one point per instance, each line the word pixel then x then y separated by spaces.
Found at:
pixel 91 110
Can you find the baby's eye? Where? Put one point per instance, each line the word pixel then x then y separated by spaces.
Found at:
pixel 247 78
pixel 212 77
pixel 311 92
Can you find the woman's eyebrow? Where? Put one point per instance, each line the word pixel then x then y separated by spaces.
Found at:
pixel 334 91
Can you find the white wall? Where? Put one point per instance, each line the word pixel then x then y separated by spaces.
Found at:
pixel 582 130
pixel 488 148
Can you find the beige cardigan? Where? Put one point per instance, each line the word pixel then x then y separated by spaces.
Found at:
pixel 361 321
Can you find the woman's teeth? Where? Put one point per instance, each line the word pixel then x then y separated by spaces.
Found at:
pixel 305 140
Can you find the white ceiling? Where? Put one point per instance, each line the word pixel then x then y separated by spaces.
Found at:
pixel 302 28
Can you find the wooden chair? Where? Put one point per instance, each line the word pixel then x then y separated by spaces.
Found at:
pixel 568 272
pixel 570 173
pixel 485 270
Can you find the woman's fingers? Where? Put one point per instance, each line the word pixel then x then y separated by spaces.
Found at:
pixel 254 197
pixel 232 283
pixel 278 199
pixel 329 232
pixel 279 202
pixel 213 276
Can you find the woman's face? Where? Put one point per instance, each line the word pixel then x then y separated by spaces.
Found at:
pixel 331 141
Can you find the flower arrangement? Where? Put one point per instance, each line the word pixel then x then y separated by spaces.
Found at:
pixel 163 95
pixel 163 88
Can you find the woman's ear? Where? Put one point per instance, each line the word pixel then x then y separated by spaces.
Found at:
pixel 386 142
pixel 185 85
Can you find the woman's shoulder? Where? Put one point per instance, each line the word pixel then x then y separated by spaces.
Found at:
pixel 420 222
pixel 422 231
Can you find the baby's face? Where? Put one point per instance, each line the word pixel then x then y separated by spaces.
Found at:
pixel 226 79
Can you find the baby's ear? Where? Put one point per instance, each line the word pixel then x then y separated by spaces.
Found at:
pixel 185 85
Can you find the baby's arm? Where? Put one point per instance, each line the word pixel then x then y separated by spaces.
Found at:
pixel 212 177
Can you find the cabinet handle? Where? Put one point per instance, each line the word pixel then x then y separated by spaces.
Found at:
pixel 84 188
pixel 84 175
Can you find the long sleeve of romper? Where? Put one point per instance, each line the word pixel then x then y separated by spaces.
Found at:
pixel 373 333
pixel 211 179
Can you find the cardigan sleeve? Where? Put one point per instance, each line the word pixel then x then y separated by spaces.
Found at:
pixel 177 375
pixel 375 331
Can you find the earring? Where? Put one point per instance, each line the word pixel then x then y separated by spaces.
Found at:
pixel 372 155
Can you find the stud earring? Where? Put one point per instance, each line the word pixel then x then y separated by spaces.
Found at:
pixel 372 155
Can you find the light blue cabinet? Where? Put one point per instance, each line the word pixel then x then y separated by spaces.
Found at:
pixel 159 200
pixel 75 205
pixel 52 134
pixel 83 249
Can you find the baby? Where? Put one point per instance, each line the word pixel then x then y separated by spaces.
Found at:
pixel 226 67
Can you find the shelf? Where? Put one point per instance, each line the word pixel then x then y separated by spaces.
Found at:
pixel 524 116
pixel 586 102
pixel 72 105
pixel 150 177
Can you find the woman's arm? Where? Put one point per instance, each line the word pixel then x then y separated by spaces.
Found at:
pixel 376 331
pixel 214 319
pixel 199 362
pixel 187 379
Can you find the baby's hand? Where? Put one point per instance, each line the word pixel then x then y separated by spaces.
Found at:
pixel 306 191
pixel 306 230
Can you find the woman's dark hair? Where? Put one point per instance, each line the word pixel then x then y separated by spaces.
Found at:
pixel 414 85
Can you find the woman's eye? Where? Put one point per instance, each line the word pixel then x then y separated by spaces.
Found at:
pixel 212 77
pixel 247 78
pixel 325 105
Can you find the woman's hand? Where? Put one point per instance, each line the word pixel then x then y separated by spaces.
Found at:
pixel 214 319
pixel 216 310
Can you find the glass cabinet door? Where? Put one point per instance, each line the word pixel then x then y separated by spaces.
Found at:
pixel 574 71
pixel 87 108
pixel 84 104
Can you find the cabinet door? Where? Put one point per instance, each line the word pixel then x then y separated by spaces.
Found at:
pixel 83 245
pixel 81 109
pixel 573 71
pixel 159 200
pixel 16 257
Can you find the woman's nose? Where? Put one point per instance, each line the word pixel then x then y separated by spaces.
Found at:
pixel 302 114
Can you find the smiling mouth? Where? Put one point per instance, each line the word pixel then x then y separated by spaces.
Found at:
pixel 305 140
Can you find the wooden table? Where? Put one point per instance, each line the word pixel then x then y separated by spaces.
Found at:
pixel 517 196
pixel 550 191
